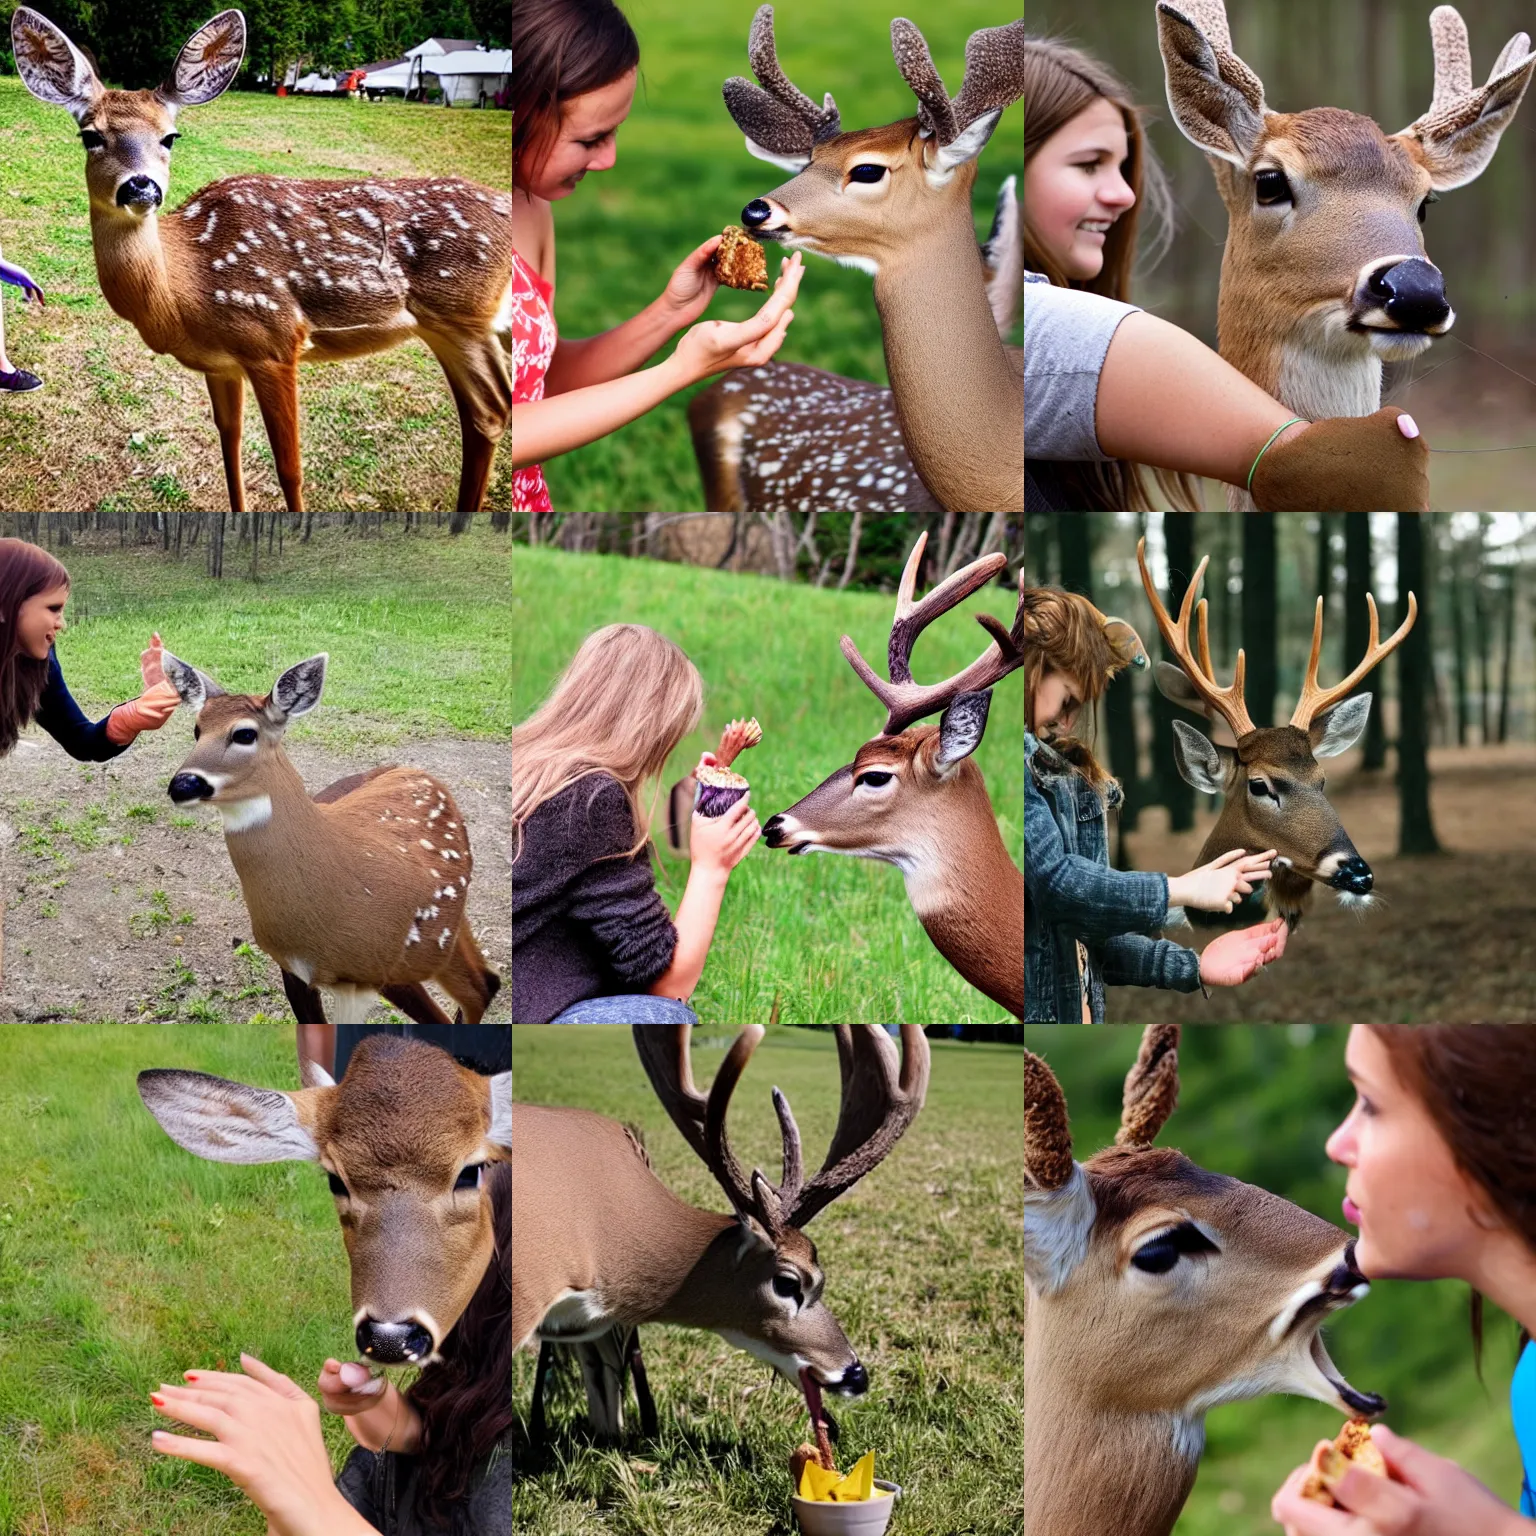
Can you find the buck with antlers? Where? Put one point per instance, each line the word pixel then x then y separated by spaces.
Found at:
pixel 1156 1290
pixel 896 203
pixel 914 798
pixel 362 890
pixel 600 1243
pixel 408 1138
pixel 1325 275
pixel 256 274
pixel 1271 777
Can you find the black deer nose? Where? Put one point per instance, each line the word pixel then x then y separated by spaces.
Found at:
pixel 1354 875
pixel 393 1343
pixel 1412 293
pixel 756 213
pixel 773 830
pixel 189 786
pixel 854 1382
pixel 138 189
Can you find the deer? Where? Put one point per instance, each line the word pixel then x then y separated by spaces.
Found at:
pixel 255 274
pixel 1271 778
pixel 601 1246
pixel 364 888
pixel 912 797
pixel 1156 1290
pixel 1325 276
pixel 764 437
pixel 408 1139
pixel 894 202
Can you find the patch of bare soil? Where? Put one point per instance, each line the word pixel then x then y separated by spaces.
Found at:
pixel 121 906
pixel 1452 938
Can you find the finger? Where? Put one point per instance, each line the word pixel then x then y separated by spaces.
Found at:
pixel 187 1410
pixel 259 1371
pixel 206 1453
pixel 1226 858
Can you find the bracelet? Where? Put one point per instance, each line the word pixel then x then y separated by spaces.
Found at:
pixel 1265 449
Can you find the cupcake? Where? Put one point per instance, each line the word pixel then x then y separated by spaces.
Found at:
pixel 719 786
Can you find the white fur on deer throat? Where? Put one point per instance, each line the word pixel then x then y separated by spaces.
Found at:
pixel 1058 1224
pixel 788 1366
pixel 245 815
pixel 575 1317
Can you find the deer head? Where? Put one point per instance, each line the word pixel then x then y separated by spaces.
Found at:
pixel 1325 274
pixel 1156 1290
pixel 1272 780
pixel 405 1138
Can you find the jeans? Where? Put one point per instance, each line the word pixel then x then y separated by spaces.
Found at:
pixel 628 1010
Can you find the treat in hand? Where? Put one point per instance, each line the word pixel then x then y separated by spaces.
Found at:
pixel 719 788
pixel 1353 1448
pixel 740 262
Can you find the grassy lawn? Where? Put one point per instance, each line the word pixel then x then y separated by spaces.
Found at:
pixel 922 1266
pixel 821 939
pixel 121 429
pixel 125 1261
pixel 683 173
pixel 1258 1102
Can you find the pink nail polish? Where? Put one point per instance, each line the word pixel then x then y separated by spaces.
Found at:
pixel 1407 425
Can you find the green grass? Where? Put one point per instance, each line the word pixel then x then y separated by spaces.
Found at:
pixel 120 428
pixel 922 1267
pixel 125 1261
pixel 827 938
pixel 683 173
pixel 416 625
pixel 1259 1102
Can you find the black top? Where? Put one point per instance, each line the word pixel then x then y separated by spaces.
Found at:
pixel 584 925
pixel 382 1489
pixel 60 716
pixel 483 1048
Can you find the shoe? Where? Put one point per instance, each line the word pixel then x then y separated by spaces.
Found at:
pixel 19 382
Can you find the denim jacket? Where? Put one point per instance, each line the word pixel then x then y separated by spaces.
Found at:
pixel 1071 893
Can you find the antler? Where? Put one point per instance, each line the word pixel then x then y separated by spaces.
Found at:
pixel 1314 700
pixel 1227 702
pixel 1151 1087
pixel 994 76
pixel 1457 102
pixel 1047 1131
pixel 905 700
pixel 880 1099
pixel 779 116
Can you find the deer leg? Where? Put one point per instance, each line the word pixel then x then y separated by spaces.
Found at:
pixel 468 980
pixel 305 1000
pixel 540 1377
pixel 481 382
pixel 415 1002
pixel 277 393
pixel 228 396
pixel 643 1399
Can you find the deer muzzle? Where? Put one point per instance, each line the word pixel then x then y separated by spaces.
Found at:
pixel 140 193
pixel 190 786
pixel 1353 875
pixel 764 219
pixel 403 1343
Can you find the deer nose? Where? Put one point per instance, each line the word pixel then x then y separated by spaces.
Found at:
pixel 139 189
pixel 189 786
pixel 1412 293
pixel 393 1343
pixel 1354 875
pixel 773 830
pixel 756 213
pixel 854 1382
pixel 1346 1274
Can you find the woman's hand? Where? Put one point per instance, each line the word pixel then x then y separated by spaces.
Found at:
pixel 692 285
pixel 268 1443
pixel 1230 960
pixel 1221 884
pixel 152 662
pixel 20 278
pixel 350 1388
pixel 719 843
pixel 1428 1496
pixel 713 346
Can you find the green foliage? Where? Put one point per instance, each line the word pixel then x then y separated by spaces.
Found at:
pixel 832 939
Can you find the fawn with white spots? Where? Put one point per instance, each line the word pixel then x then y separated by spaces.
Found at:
pixel 362 890
pixel 256 274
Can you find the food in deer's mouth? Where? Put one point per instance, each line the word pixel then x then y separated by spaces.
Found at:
pixel 1353 1448
pixel 740 262
pixel 719 787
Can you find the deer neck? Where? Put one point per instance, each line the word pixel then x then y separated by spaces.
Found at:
pixel 131 268
pixel 959 398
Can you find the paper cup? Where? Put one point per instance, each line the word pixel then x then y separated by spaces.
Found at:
pixel 870 1518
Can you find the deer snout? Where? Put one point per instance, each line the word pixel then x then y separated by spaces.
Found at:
pixel 784 831
pixel 190 786
pixel 407 1343
pixel 761 217
pixel 1353 875
pixel 141 192
pixel 852 1382
pixel 1411 294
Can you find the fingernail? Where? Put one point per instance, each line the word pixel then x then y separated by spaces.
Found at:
pixel 1407 425
pixel 190 1375
pixel 157 1400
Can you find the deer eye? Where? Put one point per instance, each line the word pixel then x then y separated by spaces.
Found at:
pixel 1260 790
pixel 91 139
pixel 245 736
pixel 1167 1248
pixel 337 1187
pixel 169 140
pixel 874 778
pixel 1424 206
pixel 1272 187
pixel 469 1178
pixel 870 173
pixel 787 1286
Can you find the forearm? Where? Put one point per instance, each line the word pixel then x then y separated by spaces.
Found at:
pixel 590 360
pixel 542 429
pixel 1166 399
pixel 390 1421
pixel 697 914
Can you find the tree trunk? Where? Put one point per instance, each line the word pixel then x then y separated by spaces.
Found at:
pixel 1417 828
pixel 1511 591
pixel 1357 627
pixel 1259 617
pixel 1179 797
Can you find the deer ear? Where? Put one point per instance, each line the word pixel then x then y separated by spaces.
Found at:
pixel 961 727
pixel 298 690
pixel 1058 1206
pixel 229 1122
pixel 1216 99
pixel 207 64
pixel 1339 728
pixel 50 66
pixel 1200 762
pixel 1173 683
pixel 195 687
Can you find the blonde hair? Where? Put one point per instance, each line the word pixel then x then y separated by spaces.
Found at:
pixel 621 707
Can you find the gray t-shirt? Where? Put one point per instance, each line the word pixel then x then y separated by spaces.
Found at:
pixel 1066 335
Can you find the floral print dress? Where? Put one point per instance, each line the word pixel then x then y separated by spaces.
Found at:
pixel 533 345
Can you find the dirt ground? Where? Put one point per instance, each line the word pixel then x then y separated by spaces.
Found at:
pixel 1451 940
pixel 121 906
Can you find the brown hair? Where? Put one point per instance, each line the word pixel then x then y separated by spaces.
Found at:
pixel 563 48
pixel 25 570
pixel 1477 1082
pixel 1059 82
pixel 1064 632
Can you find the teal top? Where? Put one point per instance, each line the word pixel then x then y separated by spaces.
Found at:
pixel 1522 1400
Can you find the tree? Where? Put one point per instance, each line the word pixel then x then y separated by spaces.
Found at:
pixel 1259 615
pixel 1417 828
pixel 1179 797
pixel 1357 626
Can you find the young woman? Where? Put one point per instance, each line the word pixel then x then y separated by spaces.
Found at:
pixel 17 380
pixel 434 1459
pixel 592 942
pixel 1087 925
pixel 1442 1186
pixel 577 64
pixel 1108 387
pixel 34 589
